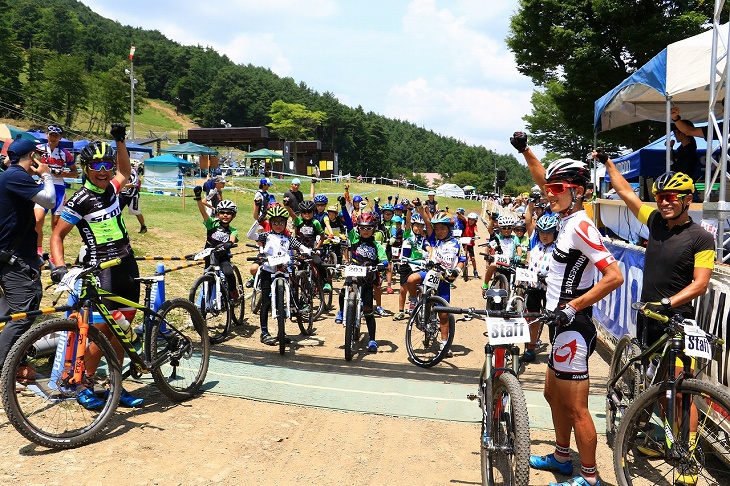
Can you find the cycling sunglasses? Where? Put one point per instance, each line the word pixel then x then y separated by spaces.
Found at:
pixel 669 197
pixel 557 188
pixel 54 129
pixel 225 211
pixel 102 165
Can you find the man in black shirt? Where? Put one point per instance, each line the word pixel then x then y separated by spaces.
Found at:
pixel 293 197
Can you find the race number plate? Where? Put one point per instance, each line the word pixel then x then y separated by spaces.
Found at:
pixel 501 260
pixel 695 341
pixel 395 252
pixel 456 233
pixel 465 240
pixel 525 275
pixel 276 260
pixel 507 331
pixel 355 271
pixel 432 279
pixel 203 254
pixel 68 282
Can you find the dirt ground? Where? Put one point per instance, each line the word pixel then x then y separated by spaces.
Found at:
pixel 223 440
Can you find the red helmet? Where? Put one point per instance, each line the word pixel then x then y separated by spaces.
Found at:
pixel 367 219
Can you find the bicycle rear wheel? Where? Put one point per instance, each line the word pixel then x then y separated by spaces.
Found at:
pixel 305 295
pixel 255 300
pixel 280 295
pixel 42 409
pixel 507 463
pixel 238 306
pixel 180 349
pixel 627 388
pixel 423 339
pixel 214 308
pixel 351 318
pixel 702 462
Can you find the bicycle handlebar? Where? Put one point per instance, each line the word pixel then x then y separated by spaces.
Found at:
pixel 673 324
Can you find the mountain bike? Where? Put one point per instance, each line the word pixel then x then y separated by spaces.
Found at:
pixel 423 331
pixel 211 296
pixel 51 355
pixel 355 277
pixel 505 426
pixel 287 299
pixel 657 406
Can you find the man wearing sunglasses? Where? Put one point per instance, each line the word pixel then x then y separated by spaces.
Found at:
pixel 95 210
pixel 62 164
pixel 571 292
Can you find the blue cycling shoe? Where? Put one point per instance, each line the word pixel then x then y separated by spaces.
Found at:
pixel 88 399
pixel 338 317
pixel 576 481
pixel 549 463
pixel 127 399
pixel 373 347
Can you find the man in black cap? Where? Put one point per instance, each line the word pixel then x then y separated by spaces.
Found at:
pixel 19 264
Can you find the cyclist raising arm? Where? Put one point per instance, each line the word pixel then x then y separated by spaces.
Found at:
pixel 94 209
pixel 571 292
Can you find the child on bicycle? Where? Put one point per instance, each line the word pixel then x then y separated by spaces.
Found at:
pixel 414 247
pixel 509 246
pixel 276 241
pixel 445 250
pixel 538 261
pixel 220 233
pixel 94 209
pixel 470 231
pixel 366 251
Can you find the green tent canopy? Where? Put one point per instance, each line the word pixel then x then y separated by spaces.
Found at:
pixel 189 148
pixel 263 154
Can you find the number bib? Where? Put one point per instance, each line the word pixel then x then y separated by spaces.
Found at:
pixel 276 260
pixel 395 252
pixel 465 240
pixel 501 260
pixel 355 271
pixel 695 341
pixel 432 279
pixel 507 331
pixel 525 275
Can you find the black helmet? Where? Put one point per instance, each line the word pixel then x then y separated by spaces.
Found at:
pixel 306 207
pixel 98 150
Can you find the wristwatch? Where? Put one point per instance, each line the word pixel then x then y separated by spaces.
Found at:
pixel 666 303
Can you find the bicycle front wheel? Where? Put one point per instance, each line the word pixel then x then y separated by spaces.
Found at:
pixel 351 323
pixel 620 396
pixel 639 455
pixel 280 295
pixel 305 294
pixel 180 350
pixel 44 408
pixel 423 333
pixel 238 305
pixel 214 308
pixel 505 459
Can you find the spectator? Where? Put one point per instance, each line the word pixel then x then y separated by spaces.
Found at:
pixel 129 197
pixel 62 164
pixel 215 195
pixel 684 157
pixel 262 199
pixel 209 184
pixel 294 197
pixel 19 265
pixel 431 203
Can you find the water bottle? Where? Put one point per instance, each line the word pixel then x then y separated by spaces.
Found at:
pixel 124 324
pixel 651 371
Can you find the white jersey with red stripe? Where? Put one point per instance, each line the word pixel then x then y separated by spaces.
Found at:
pixel 579 250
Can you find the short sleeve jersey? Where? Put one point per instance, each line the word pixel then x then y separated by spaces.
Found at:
pixel 307 231
pixel 217 233
pixel 539 261
pixel 578 252
pixel 97 215
pixel 276 244
pixel 136 183
pixel 446 252
pixel 17 188
pixel 671 257
pixel 57 159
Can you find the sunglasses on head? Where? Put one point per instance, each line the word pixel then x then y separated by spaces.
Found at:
pixel 102 165
pixel 54 129
pixel 668 197
pixel 557 188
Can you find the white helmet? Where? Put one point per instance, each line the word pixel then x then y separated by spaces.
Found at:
pixel 472 216
pixel 503 221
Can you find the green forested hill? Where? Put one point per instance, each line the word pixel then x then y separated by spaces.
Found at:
pixel 61 60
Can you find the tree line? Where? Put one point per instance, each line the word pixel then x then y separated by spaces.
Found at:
pixel 60 59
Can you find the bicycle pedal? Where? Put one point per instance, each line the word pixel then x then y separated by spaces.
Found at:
pixel 471 396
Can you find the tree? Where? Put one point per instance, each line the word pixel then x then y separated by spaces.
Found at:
pixel 292 121
pixel 587 48
pixel 11 60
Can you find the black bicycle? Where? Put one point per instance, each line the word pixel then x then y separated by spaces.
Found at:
pixel 666 426
pixel 52 359
pixel 355 277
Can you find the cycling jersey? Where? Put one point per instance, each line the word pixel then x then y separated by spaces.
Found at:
pixel 578 251
pixel 307 231
pixel 97 215
pixel 469 230
pixel 508 244
pixel 320 217
pixel 416 243
pixel 431 205
pixel 57 159
pixel 276 244
pixel 136 184
pixel 539 261
pixel 217 233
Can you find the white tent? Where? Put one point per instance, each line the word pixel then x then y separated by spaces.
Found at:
pixel 680 74
pixel 450 190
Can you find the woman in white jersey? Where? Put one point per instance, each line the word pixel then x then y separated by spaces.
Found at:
pixel 571 292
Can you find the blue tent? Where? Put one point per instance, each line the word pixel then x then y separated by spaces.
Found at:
pixel 131 147
pixel 167 160
pixel 677 75
pixel 649 161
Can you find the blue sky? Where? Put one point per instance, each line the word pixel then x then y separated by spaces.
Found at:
pixel 442 65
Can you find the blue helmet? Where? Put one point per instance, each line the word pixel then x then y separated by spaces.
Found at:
pixel 357 199
pixel 416 219
pixel 399 206
pixel 442 218
pixel 548 222
pixel 387 207
pixel 320 199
